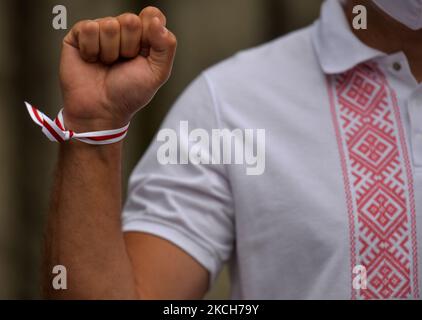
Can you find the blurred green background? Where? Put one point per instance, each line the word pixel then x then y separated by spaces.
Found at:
pixel 208 31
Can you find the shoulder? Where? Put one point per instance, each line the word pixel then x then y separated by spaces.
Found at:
pixel 283 58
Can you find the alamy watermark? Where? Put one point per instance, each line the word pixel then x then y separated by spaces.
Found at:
pixel 60 17
pixel 360 20
pixel 59 21
pixel 59 281
pixel 220 146
pixel 360 279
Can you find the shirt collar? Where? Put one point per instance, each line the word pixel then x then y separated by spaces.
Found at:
pixel 337 48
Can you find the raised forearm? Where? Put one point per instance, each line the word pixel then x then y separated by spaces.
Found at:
pixel 105 80
pixel 84 229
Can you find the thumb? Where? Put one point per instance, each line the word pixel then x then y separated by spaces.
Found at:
pixel 163 45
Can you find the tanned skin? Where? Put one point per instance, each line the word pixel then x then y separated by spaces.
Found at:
pixel 104 83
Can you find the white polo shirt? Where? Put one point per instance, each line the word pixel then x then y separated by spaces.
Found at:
pixel 342 186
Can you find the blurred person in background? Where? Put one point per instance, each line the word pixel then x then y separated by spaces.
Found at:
pixel 341 193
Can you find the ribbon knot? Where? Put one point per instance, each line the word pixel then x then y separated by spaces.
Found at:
pixel 56 131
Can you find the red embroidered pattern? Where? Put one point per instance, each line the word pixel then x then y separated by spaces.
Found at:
pixel 378 182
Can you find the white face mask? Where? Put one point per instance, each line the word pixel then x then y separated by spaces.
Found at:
pixel 408 12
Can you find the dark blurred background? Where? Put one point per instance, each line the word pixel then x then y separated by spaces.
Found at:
pixel 208 31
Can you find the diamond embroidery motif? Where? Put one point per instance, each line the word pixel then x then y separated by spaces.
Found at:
pixel 361 92
pixel 378 183
pixel 381 207
pixel 372 148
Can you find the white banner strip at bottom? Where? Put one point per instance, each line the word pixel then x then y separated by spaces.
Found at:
pixel 56 132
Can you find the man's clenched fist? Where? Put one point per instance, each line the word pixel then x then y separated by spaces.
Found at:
pixel 112 67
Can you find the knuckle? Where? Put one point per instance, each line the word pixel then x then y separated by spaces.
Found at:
pixel 154 12
pixel 77 27
pixel 110 26
pixel 130 21
pixel 89 27
pixel 78 24
pixel 151 10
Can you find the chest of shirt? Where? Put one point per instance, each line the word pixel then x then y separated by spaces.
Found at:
pixel 340 183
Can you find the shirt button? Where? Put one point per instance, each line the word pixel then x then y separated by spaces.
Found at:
pixel 397 66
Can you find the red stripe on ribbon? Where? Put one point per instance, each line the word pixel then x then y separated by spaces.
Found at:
pixel 53 132
pixel 111 136
pixel 59 124
pixel 35 111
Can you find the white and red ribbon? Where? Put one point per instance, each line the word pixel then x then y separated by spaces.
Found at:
pixel 56 132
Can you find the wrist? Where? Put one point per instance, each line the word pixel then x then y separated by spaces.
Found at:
pixel 82 152
pixel 90 124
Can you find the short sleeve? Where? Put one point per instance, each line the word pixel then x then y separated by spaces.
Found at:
pixel 189 204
